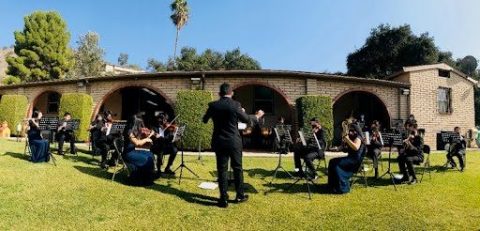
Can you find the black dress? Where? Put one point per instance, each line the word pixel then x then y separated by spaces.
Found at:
pixel 140 162
pixel 340 170
pixel 40 148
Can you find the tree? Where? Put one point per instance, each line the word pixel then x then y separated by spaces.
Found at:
pixel 468 65
pixel 154 65
pixel 180 16
pixel 212 60
pixel 388 49
pixel 123 59
pixel 235 60
pixel 446 57
pixel 42 48
pixel 89 56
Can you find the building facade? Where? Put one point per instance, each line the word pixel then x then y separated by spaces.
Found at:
pixel 414 90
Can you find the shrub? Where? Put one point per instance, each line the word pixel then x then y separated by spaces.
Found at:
pixel 9 80
pixel 13 109
pixel 319 107
pixel 80 106
pixel 190 107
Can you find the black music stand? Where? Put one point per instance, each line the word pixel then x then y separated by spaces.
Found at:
pixel 391 142
pixel 282 135
pixel 178 136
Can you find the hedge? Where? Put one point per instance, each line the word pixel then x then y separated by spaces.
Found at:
pixel 80 106
pixel 190 107
pixel 13 109
pixel 319 107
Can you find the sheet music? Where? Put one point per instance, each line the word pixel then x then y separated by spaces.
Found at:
pixel 302 138
pixel 242 126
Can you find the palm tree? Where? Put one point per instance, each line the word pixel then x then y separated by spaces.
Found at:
pixel 179 18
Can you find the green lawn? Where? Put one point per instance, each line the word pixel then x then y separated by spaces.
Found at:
pixel 77 195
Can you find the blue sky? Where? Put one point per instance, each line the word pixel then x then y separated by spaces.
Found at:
pixel 309 35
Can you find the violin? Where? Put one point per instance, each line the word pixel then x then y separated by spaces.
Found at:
pixel 145 133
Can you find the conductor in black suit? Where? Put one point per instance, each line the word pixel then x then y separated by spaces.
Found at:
pixel 226 140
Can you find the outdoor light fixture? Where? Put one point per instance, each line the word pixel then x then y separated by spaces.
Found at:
pixel 80 84
pixel 196 83
pixel 148 91
pixel 405 91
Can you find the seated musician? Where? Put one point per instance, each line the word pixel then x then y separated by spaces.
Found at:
pixel 136 153
pixel 65 132
pixel 458 149
pixel 163 145
pixel 374 149
pixel 410 154
pixel 99 139
pixel 311 151
pixel 340 170
pixel 39 147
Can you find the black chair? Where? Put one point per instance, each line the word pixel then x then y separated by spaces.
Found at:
pixel 27 150
pixel 426 163
pixel 361 173
pixel 118 144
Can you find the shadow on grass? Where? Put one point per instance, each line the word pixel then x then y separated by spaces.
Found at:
pixel 81 158
pixel 299 187
pixel 267 174
pixel 167 189
pixel 18 155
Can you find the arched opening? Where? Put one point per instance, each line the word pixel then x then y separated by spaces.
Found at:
pixel 127 101
pixel 48 103
pixel 356 104
pixel 257 96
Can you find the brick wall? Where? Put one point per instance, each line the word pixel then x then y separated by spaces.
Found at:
pixel 423 101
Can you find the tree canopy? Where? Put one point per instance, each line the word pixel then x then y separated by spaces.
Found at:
pixel 42 48
pixel 190 60
pixel 88 56
pixel 388 49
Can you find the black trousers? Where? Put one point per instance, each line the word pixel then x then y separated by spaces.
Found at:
pixel 235 157
pixel 374 154
pixel 406 162
pixel 62 137
pixel 461 158
pixel 308 155
pixel 168 150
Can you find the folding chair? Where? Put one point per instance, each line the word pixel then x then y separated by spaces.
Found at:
pixel 426 163
pixel 118 144
pixel 360 173
pixel 27 151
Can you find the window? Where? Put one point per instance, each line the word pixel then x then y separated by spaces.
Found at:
pixel 53 101
pixel 444 100
pixel 444 73
pixel 263 99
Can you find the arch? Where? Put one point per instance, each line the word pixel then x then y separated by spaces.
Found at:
pixel 265 84
pixel 136 87
pixel 38 96
pixel 254 95
pixel 357 102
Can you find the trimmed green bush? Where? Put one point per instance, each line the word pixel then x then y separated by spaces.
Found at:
pixel 319 107
pixel 190 107
pixel 13 109
pixel 80 106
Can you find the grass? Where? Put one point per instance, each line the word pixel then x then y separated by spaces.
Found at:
pixel 77 195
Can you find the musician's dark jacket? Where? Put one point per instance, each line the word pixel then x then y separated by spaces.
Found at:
pixel 162 142
pixel 416 149
pixel 226 113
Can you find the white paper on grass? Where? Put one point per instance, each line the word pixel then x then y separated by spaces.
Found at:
pixel 208 185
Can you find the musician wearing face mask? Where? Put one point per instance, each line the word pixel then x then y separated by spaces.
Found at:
pixel 374 148
pixel 99 139
pixel 65 132
pixel 311 151
pixel 163 145
pixel 412 153
pixel 457 148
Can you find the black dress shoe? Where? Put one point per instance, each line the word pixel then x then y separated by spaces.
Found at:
pixel 168 171
pixel 413 181
pixel 241 199
pixel 222 203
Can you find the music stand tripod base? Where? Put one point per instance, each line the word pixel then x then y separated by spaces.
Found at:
pixel 278 168
pixel 389 170
pixel 179 136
